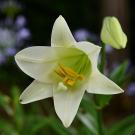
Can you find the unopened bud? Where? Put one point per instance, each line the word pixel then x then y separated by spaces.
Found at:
pixel 112 33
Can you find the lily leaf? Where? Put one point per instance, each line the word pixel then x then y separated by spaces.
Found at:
pixel 124 127
pixel 119 74
pixel 103 100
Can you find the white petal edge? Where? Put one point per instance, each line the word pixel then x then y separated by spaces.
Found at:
pixel 67 103
pixel 100 84
pixel 61 34
pixel 91 50
pixel 36 91
pixel 39 62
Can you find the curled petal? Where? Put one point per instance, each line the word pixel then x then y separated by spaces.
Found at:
pixel 91 50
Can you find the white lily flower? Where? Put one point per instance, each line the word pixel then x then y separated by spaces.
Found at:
pixel 63 71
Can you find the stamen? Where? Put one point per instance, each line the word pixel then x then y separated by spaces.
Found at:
pixel 69 81
pixel 69 75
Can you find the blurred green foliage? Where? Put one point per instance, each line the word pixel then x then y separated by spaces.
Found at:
pixel 34 120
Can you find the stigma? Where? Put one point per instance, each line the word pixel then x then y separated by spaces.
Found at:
pixel 69 76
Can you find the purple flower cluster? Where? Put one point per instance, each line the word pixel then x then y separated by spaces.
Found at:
pixel 13 34
pixel 131 89
pixel 83 34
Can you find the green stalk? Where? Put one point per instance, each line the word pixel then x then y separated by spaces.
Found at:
pixel 99 116
pixel 103 58
pixel 99 120
pixel 99 110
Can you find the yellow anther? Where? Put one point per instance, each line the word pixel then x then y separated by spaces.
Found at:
pixel 68 81
pixel 69 75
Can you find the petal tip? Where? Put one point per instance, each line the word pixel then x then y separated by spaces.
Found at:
pixel 24 102
pixel 66 124
pixel 122 91
pixel 60 17
pixel 21 101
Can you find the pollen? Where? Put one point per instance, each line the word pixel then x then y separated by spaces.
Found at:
pixel 69 76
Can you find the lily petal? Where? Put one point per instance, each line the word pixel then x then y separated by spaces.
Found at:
pixel 100 84
pixel 66 104
pixel 91 50
pixel 61 34
pixel 39 62
pixel 36 91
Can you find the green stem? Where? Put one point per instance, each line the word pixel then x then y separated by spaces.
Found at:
pixel 99 116
pixel 99 120
pixel 99 111
pixel 103 58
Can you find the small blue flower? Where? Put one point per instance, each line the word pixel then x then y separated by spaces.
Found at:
pixel 131 89
pixel 12 36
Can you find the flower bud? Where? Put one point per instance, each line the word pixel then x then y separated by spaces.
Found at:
pixel 112 33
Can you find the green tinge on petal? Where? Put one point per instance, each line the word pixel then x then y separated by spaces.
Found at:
pixel 61 34
pixel 40 62
pixel 66 104
pixel 97 82
pixel 112 33
pixel 91 50
pixel 100 84
pixel 36 91
pixel 80 64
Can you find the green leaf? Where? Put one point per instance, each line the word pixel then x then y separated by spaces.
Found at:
pixel 124 127
pixel 35 123
pixel 119 74
pixel 88 106
pixel 5 104
pixel 19 117
pixel 103 100
pixel 89 122
pixel 7 128
pixel 88 117
pixel 58 127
